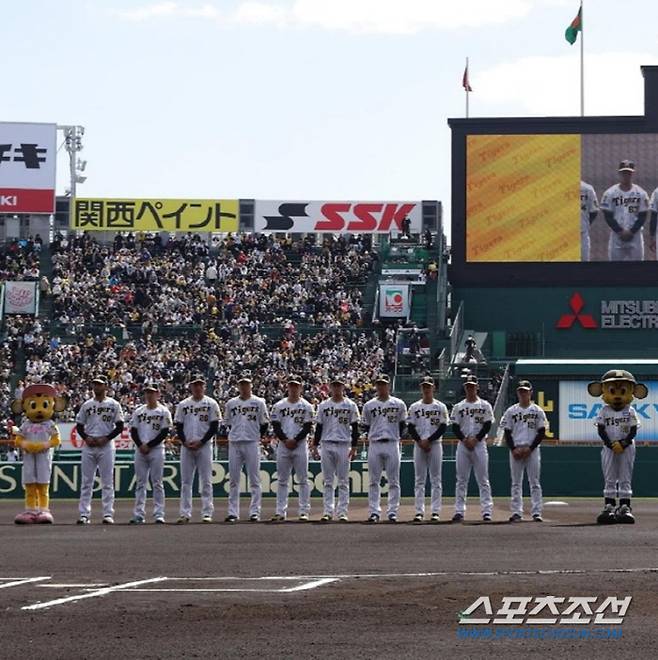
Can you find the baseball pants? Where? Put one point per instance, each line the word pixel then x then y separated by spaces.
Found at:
pixel 150 466
pixel 247 454
pixel 618 472
pixel 584 246
pixel 288 460
pixel 632 251
pixel 478 461
pixel 37 468
pixel 101 460
pixel 335 463
pixel 384 457
pixel 532 467
pixel 425 462
pixel 192 461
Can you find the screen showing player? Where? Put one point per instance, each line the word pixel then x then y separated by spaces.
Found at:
pixel 561 198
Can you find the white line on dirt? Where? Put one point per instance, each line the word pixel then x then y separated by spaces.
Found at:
pixel 90 585
pixel 17 582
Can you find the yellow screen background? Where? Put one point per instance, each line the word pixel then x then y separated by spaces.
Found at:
pixel 523 198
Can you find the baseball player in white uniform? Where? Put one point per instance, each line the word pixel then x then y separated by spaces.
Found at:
pixel 292 421
pixel 150 425
pixel 625 207
pixel 524 425
pixel 197 421
pixel 617 424
pixel 471 421
pixel 98 422
pixel 337 434
pixel 653 222
pixel 247 419
pixel 427 422
pixel 384 419
pixel 589 209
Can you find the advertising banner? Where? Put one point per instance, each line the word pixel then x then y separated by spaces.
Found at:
pixel 394 300
pixel 578 411
pixel 28 155
pixel 21 298
pixel 173 215
pixel 337 217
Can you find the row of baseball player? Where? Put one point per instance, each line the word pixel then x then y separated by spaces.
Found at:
pixel 626 207
pixel 338 429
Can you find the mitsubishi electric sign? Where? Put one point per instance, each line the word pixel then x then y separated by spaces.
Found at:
pixel 631 314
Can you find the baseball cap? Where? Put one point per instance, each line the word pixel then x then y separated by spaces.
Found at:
pixel 337 380
pixel 99 379
pixel 382 378
pixel 524 385
pixel 245 377
pixel 613 374
pixel 294 380
pixel 151 387
pixel 197 378
pixel 626 166
pixel 471 380
pixel 427 380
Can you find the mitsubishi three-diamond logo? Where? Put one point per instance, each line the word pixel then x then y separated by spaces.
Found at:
pixel 576 303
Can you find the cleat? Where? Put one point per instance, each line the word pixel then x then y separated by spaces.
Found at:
pixel 326 518
pixel 206 519
pixel 623 515
pixel 137 520
pixel 418 518
pixel 373 518
pixel 515 517
pixel 343 518
pixel 108 520
pixel 83 520
pixel 254 517
pixel 537 518
pixel 607 516
pixel 277 517
pixel 231 519
pixel 457 518
pixel 434 518
pixel 303 517
pixel 486 517
pixel 182 520
pixel 392 518
pixel 160 520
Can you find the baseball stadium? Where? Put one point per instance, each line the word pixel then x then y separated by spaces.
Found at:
pixel 326 427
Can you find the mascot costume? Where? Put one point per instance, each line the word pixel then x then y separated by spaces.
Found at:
pixel 37 436
pixel 617 424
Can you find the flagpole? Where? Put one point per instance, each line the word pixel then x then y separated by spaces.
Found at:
pixel 466 87
pixel 582 61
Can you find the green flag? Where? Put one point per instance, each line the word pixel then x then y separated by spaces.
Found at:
pixel 571 33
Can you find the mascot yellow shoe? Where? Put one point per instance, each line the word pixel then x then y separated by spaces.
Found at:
pixel 37 436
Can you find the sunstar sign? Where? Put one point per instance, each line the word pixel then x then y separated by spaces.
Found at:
pixel 613 314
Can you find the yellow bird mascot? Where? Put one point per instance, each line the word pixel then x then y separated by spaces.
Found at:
pixel 37 436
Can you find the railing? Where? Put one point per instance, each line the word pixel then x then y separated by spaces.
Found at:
pixel 500 405
pixel 456 331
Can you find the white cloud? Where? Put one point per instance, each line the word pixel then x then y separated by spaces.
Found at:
pixel 551 85
pixel 355 16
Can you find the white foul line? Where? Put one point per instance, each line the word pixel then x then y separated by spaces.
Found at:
pixel 18 581
pixel 305 586
pixel 91 594
pixel 90 585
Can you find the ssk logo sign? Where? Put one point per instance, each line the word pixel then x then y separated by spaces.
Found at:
pixel 337 217
pixel 577 316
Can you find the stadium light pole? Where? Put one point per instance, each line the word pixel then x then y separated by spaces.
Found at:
pixel 73 145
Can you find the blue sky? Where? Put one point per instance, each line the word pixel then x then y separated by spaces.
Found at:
pixel 303 99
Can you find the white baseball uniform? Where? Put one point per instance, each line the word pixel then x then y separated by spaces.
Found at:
pixel 524 423
pixel 617 468
pixel 244 417
pixel 383 417
pixel 336 418
pixel 149 424
pixel 588 204
pixel 426 419
pixel 625 206
pixel 653 206
pixel 292 416
pixel 99 418
pixel 196 415
pixel 471 416
pixel 37 468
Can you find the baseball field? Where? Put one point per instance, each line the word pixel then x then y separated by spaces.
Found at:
pixel 323 590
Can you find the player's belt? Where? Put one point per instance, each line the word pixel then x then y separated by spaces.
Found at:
pixel 336 442
pixel 384 440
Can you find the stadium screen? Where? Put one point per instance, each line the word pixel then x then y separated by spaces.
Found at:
pixel 552 197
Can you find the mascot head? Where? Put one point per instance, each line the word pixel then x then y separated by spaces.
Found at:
pixel 617 388
pixel 39 403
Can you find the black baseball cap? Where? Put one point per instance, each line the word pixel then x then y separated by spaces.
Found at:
pixel 99 379
pixel 151 387
pixel 245 377
pixel 471 380
pixel 524 385
pixel 337 380
pixel 382 378
pixel 294 380
pixel 626 166
pixel 197 378
pixel 427 380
